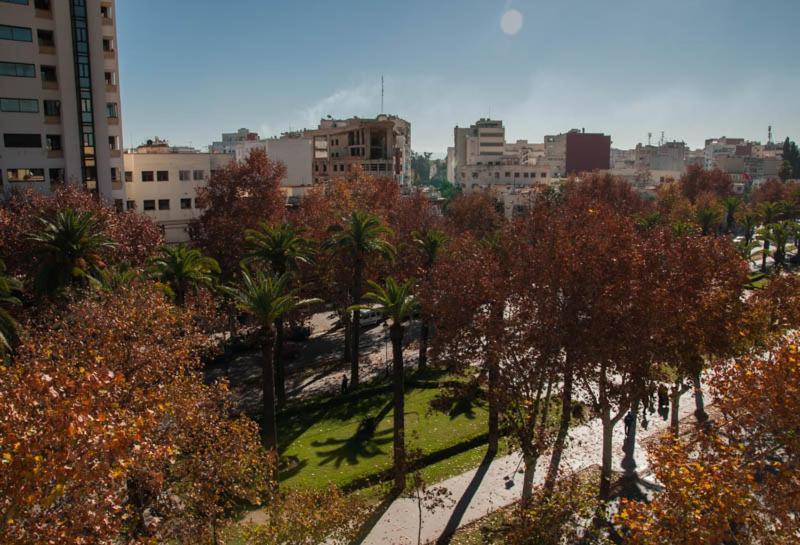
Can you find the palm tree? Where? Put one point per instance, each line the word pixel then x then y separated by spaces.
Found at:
pixel 648 222
pixel 9 287
pixel 267 297
pixel 749 222
pixel 70 248
pixel 770 212
pixel 707 218
pixel 779 235
pixel 281 248
pixel 180 268
pixel 730 206
pixel 360 238
pixel 430 242
pixel 396 302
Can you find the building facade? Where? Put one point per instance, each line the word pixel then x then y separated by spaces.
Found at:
pixel 381 146
pixel 161 182
pixel 295 150
pixel 577 151
pixel 232 139
pixel 60 114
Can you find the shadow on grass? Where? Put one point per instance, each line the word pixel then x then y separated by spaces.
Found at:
pixel 353 449
pixel 458 399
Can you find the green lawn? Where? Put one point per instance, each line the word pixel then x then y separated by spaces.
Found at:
pixel 326 444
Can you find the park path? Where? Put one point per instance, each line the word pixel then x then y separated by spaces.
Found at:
pixel 481 491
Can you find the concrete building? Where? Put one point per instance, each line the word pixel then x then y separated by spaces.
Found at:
pixel 231 139
pixel 162 182
pixel 482 159
pixel 60 114
pixel 577 151
pixel 381 145
pixel 295 150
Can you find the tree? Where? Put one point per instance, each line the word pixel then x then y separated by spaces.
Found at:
pixel 791 154
pixel 749 222
pixel 283 249
pixel 697 181
pixel 238 198
pixel 731 207
pixel 9 288
pixel 69 249
pixel 395 302
pixel 779 235
pixel 770 212
pixel 268 297
pixel 430 243
pixel 360 238
pixel 707 218
pixel 180 269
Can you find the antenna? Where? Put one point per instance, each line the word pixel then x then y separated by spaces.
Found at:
pixel 649 138
pixel 662 139
pixel 769 134
pixel 381 93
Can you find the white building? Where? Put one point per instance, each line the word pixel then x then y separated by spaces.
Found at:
pixel 60 113
pixel 162 182
pixel 231 139
pixel 295 151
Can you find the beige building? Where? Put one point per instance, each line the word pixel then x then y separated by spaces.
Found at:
pixel 295 150
pixel 162 182
pixel 60 114
pixel 230 140
pixel 382 146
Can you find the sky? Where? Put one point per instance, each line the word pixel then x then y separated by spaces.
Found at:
pixel 694 69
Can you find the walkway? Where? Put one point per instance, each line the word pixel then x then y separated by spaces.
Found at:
pixel 481 491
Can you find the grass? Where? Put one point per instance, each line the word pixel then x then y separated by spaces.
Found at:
pixel 346 443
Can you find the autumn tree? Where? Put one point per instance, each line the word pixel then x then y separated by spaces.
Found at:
pixel 9 290
pixel 696 181
pixel 236 198
pixel 430 243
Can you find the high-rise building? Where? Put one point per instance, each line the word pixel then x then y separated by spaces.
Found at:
pixel 60 112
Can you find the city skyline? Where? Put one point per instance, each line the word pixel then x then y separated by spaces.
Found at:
pixel 548 69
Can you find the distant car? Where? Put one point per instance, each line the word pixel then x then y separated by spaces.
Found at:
pixel 369 317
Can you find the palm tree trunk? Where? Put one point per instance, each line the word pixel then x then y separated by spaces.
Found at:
pixel 764 256
pixel 424 332
pixel 180 295
pixel 396 335
pixel 269 425
pixel 280 378
pixel 563 428
pixel 348 336
pixel 354 348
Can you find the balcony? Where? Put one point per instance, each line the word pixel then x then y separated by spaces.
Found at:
pixel 55 154
pixel 113 120
pixel 116 184
pixel 49 84
pixel 109 54
pixel 111 88
pixel 116 153
pixel 52 120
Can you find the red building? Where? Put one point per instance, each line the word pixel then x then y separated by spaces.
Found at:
pixel 586 152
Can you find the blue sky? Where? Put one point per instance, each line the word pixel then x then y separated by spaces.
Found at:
pixel 191 69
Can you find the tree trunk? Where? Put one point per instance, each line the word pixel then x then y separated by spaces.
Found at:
pixel 348 336
pixel 629 462
pixel 424 332
pixel 494 377
pixel 280 378
pixel 764 256
pixel 605 468
pixel 674 417
pixel 563 428
pixel 269 426
pixel 699 403
pixel 396 334
pixel 354 348
pixel 530 461
pixel 180 295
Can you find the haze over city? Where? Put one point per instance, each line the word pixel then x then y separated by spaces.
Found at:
pixel 691 69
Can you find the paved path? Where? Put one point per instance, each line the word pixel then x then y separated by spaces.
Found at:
pixel 478 492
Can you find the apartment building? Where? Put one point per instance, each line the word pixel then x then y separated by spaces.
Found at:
pixel 295 150
pixel 381 145
pixel 232 139
pixel 577 151
pixel 60 114
pixel 162 181
pixel 482 159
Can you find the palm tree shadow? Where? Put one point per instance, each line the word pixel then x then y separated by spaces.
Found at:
pixel 459 400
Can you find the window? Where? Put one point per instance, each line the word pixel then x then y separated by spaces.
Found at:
pixel 17 69
pixel 16 33
pixel 118 205
pixel 130 205
pixel 128 176
pixel 113 143
pixel 147 176
pixel 105 12
pixel 13 140
pixel 114 174
pixel 52 108
pixel 25 174
pixel 53 142
pixel 516 175
pixel 149 204
pixel 42 4
pixel 22 105
pixel 111 109
pixel 108 44
pixel 162 175
pixel 163 204
pixel 508 175
pixel 186 204
pixel 48 73
pixel 20 2
pixel 45 38
pixel 111 78
pixel 199 174
pixel 184 175
pixel 56 175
